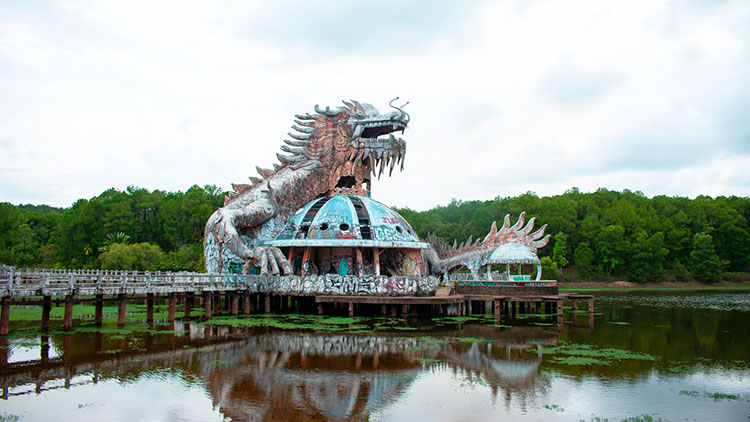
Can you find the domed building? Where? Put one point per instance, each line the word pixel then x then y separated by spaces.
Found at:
pixel 351 235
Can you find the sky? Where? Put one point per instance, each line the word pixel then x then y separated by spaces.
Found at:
pixel 505 97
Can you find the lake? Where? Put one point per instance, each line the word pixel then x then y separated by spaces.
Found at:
pixel 642 356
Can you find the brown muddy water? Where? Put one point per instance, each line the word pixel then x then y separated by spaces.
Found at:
pixel 643 356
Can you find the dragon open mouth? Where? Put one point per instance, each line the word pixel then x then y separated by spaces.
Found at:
pixel 375 147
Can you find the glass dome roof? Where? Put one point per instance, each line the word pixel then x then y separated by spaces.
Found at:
pixel 347 220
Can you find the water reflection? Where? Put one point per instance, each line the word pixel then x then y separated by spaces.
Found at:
pixel 476 368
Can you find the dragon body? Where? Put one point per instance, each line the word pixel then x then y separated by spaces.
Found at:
pixel 474 254
pixel 333 151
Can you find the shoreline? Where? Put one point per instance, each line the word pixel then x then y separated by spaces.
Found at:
pixel 621 285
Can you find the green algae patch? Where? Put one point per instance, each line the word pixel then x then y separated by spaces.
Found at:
pixel 470 340
pixel 340 320
pixel 292 322
pixel 455 319
pixel 585 354
pixel 433 340
pixel 714 396
pixel 404 328
pixel 618 323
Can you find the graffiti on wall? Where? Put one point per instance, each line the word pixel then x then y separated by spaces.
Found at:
pixel 333 284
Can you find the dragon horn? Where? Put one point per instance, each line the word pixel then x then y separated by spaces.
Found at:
pixel 492 233
pixel 539 233
pixel 519 223
pixel 404 117
pixel 529 226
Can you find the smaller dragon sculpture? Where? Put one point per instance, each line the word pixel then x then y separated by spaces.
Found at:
pixel 473 255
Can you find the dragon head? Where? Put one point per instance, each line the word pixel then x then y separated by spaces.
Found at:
pixel 350 144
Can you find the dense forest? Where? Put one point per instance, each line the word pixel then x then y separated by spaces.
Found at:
pixel 599 235
pixel 608 234
pixel 134 229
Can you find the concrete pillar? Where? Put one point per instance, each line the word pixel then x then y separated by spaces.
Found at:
pixel 149 307
pixel 68 317
pixel 267 303
pixel 383 310
pixel 351 309
pixel 376 261
pixel 394 311
pixel 5 316
pixel 320 308
pixel 246 304
pixel 234 304
pixel 46 309
pixel 121 304
pixel 207 304
pixel 98 310
pixel 591 305
pixel 496 307
pixel 573 304
pixel 559 307
pixel 172 307
pixel 404 309
pixel 188 304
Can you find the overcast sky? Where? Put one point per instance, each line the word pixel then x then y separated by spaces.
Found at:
pixel 505 96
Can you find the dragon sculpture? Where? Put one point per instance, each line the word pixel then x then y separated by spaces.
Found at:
pixel 334 151
pixel 443 258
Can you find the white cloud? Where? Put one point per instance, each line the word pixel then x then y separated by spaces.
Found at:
pixel 505 96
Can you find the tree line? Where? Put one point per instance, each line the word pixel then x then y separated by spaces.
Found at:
pixel 131 229
pixel 609 234
pixel 599 235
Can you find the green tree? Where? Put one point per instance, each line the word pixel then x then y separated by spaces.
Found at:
pixel 560 250
pixel 704 262
pixel 583 258
pixel 549 269
pixel 140 256
pixel 647 261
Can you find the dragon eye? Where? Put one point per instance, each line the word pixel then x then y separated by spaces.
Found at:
pixel 359 114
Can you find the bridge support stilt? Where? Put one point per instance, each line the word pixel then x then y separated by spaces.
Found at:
pixel 121 308
pixel 149 307
pixel 172 307
pixel 5 316
pixel 188 304
pixel 207 304
pixel 68 318
pixel 234 304
pixel 46 310
pixel 98 310
pixel 267 300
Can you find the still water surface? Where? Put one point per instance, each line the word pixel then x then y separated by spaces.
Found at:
pixel 668 356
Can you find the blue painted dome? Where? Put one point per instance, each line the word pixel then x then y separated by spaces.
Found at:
pixel 347 220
